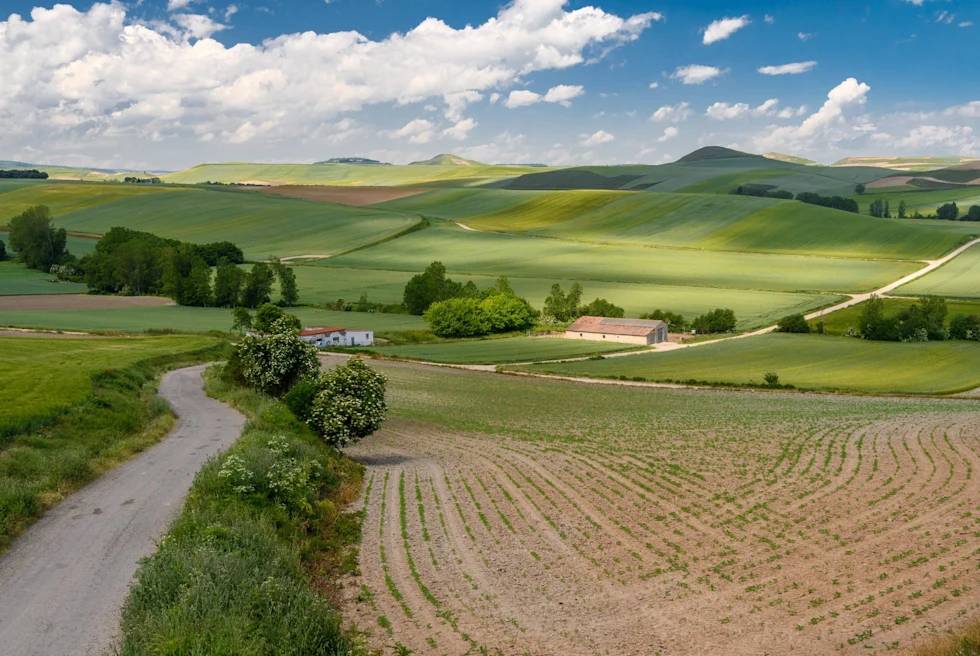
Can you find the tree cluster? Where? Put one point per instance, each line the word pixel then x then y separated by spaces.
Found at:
pixel 921 322
pixel 494 310
pixel 676 323
pixel 762 191
pixel 135 180
pixel 833 202
pixel 37 243
pixel 794 323
pixel 721 320
pixel 432 286
pixel 22 174
pixel 3 251
pixel 563 308
pixel 880 209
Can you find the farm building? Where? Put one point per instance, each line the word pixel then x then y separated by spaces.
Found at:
pixel 626 331
pixel 334 336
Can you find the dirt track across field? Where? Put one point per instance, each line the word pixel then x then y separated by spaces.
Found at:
pixel 79 302
pixel 353 196
pixel 63 582
pixel 831 539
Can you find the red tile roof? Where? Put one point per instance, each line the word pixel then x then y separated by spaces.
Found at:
pixel 631 327
pixel 309 332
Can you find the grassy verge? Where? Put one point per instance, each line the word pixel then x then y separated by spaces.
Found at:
pixel 964 643
pixel 249 565
pixel 122 417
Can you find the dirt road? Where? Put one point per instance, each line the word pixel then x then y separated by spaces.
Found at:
pixel 63 582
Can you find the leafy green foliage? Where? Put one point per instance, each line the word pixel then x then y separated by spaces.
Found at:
pixel 794 323
pixel 350 403
pixel 563 307
pixel 948 212
pixel 275 362
pixel 430 286
pixel 37 243
pixel 965 327
pixel 258 285
pixel 457 317
pixel 600 307
pixel 228 282
pixel 717 321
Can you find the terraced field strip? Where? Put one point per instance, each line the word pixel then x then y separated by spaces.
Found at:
pixel 843 527
pixel 959 278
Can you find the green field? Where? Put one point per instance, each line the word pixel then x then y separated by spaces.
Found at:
pixel 192 319
pixel 724 184
pixel 345 174
pixel 325 284
pixel 837 323
pixel 67 197
pixel 262 225
pixel 701 221
pixel 477 253
pixel 959 278
pixel 46 376
pixel 16 279
pixel 925 201
pixel 500 351
pixel 806 361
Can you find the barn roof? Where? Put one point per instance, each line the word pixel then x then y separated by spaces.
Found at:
pixel 321 330
pixel 631 327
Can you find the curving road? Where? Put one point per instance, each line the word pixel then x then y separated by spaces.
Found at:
pixel 63 582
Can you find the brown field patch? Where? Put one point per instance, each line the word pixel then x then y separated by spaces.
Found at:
pixel 78 302
pixel 847 538
pixel 353 196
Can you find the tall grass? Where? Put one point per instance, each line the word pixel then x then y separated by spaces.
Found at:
pixel 123 416
pixel 248 567
pixel 966 642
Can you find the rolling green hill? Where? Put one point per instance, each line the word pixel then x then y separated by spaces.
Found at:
pixel 64 197
pixel 347 174
pixel 959 278
pixel 701 221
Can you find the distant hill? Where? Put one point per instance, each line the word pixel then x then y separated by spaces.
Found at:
pixel 8 164
pixel 923 163
pixel 715 152
pixel 447 160
pixel 790 159
pixel 353 160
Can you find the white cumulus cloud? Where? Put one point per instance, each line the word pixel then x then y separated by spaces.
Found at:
pixel 722 111
pixel 697 74
pixel 419 131
pixel 597 139
pixel 77 77
pixel 669 133
pixel 721 29
pixel 672 113
pixel 789 69
pixel 461 130
pixel 826 124
pixel 562 94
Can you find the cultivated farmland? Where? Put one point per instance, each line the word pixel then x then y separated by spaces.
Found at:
pixel 959 278
pixel 500 351
pixel 582 519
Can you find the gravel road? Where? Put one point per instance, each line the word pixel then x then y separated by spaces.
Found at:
pixel 63 582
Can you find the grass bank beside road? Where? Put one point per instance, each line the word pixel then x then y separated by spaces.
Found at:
pixel 75 415
pixel 248 567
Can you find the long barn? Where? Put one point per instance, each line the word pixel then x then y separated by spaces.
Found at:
pixel 626 331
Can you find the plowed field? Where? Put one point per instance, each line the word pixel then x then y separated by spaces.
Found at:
pixel 627 521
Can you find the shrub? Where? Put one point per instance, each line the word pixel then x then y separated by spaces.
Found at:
pixel 675 322
pixel 507 312
pixel 602 308
pixel 273 363
pixel 350 404
pixel 299 399
pixel 965 327
pixel 457 317
pixel 772 379
pixel 794 323
pixel 716 321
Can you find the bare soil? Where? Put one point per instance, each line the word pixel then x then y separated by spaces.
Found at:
pixel 843 539
pixel 353 196
pixel 78 302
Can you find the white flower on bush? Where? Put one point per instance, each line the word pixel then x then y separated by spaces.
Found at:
pixel 350 405
pixel 271 363
pixel 238 475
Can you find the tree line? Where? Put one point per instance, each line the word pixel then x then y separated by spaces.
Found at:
pixel 138 263
pixel 881 209
pixel 808 197
pixel 23 174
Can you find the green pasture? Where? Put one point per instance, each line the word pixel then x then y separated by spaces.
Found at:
pixel 924 200
pixel 260 224
pixel 491 254
pixel 8 184
pixel 837 323
pixel 344 174
pixel 702 221
pixel 192 319
pixel 325 284
pixel 957 278
pixel 500 351
pixel 42 377
pixel 64 197
pixel 17 280
pixel 724 184
pixel 806 361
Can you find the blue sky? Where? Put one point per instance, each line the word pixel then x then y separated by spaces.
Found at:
pixel 166 84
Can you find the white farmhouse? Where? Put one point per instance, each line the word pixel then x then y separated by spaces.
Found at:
pixel 322 336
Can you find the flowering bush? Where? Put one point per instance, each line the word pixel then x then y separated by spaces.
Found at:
pixel 277 471
pixel 350 404
pixel 273 363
